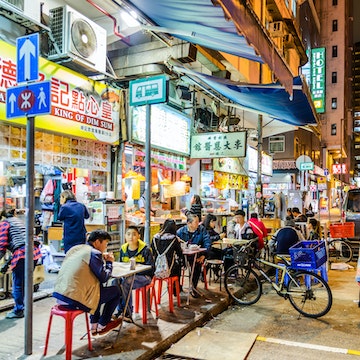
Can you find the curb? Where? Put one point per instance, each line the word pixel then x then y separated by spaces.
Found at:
pixel 165 344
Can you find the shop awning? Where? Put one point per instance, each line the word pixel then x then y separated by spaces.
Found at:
pixel 227 26
pixel 198 22
pixel 268 99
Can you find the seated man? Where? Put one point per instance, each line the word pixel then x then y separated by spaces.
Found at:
pixel 298 216
pixel 135 248
pixel 79 283
pixel 284 238
pixel 194 233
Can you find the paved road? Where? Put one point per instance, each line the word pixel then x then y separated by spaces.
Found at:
pixel 283 335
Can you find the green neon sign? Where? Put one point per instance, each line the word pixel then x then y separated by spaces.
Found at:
pixel 318 62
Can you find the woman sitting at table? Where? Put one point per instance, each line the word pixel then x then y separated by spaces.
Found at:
pixel 209 224
pixel 137 249
pixel 194 233
pixel 167 240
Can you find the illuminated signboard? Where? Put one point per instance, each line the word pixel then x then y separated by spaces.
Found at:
pixel 218 144
pixel 318 78
pixel 339 169
pixel 170 129
pixel 80 107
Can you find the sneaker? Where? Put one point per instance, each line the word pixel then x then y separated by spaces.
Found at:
pixel 15 315
pixel 109 326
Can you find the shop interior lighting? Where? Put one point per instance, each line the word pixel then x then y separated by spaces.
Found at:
pixel 185 178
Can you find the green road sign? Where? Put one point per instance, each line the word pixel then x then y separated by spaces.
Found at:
pixel 307 166
pixel 148 90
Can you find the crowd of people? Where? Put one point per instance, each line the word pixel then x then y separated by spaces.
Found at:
pixel 83 280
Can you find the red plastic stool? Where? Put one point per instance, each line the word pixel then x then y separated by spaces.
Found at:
pixel 171 281
pixel 69 315
pixel 144 291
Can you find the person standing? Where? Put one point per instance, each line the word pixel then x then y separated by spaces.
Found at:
pixel 12 238
pixel 73 214
pixel 194 233
pixel 79 284
pixel 196 206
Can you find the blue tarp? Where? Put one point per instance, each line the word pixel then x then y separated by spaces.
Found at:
pixel 270 99
pixel 198 22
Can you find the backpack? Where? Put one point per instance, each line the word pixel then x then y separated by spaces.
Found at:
pixel 162 269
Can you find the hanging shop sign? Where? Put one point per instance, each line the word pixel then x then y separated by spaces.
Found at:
pixel 170 129
pixel 218 144
pixel 229 165
pixel 339 169
pixel 251 162
pixel 80 107
pixel 318 84
pixel 321 181
pixel 230 181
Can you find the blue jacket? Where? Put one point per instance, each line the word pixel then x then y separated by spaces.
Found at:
pixel 199 237
pixel 73 214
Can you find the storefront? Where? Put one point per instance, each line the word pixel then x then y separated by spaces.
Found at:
pixel 169 164
pixel 72 143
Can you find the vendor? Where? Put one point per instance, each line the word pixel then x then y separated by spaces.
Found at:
pixel 142 204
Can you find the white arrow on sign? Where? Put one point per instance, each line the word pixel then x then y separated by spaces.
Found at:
pixel 27 49
pixel 12 100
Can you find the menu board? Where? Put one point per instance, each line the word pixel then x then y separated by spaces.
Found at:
pixel 170 129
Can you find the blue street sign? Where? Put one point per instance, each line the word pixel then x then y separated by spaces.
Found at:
pixel 28 100
pixel 27 58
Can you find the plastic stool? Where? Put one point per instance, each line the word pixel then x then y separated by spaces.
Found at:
pixel 143 291
pixel 69 315
pixel 212 264
pixel 171 281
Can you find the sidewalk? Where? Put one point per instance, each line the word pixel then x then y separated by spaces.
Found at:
pixel 134 342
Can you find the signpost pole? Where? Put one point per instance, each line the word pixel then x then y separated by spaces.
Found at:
pixel 147 175
pixel 259 188
pixel 29 262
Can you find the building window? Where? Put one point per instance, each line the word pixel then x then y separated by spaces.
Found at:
pixel 334 77
pixel 335 25
pixel 334 2
pixel 334 51
pixel 333 129
pixel 334 103
pixel 277 144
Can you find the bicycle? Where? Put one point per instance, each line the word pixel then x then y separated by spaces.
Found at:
pixel 339 250
pixel 307 292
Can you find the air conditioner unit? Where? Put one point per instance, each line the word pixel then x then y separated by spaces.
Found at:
pixel 276 28
pixel 289 41
pixel 27 8
pixel 78 39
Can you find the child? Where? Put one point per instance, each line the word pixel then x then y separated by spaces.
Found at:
pixel 135 248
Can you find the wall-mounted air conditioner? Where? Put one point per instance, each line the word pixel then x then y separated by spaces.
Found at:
pixel 78 39
pixel 276 28
pixel 29 8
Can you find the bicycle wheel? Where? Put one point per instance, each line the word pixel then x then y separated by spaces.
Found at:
pixel 243 285
pixel 340 251
pixel 309 294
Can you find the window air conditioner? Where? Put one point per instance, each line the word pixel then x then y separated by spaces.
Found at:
pixel 78 38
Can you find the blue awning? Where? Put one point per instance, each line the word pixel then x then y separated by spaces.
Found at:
pixel 198 22
pixel 269 99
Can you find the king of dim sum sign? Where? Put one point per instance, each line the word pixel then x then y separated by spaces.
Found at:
pixel 218 144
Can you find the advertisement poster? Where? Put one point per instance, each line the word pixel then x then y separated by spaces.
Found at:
pixel 80 107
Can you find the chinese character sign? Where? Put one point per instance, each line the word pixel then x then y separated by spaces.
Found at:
pixel 218 144
pixel 339 169
pixel 318 78
pixel 79 106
